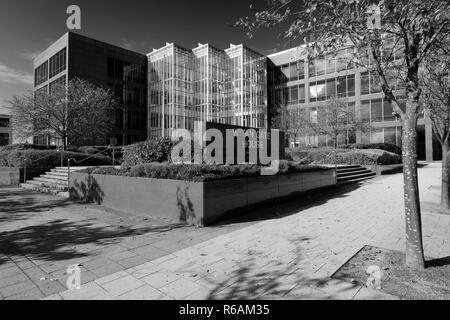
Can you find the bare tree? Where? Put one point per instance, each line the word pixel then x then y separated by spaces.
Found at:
pixel 79 113
pixel 391 38
pixel 435 81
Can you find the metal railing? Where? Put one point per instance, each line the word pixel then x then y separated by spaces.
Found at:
pixel 108 148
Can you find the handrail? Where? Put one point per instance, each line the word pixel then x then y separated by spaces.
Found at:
pixel 110 147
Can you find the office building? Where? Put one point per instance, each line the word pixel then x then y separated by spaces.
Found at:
pixel 111 67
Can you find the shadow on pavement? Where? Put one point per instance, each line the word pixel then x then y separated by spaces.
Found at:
pixel 276 280
pixel 283 207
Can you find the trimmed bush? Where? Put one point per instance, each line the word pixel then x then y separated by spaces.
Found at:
pixel 25 146
pixel 198 173
pixel 48 159
pixel 345 156
pixel 150 151
pixel 389 147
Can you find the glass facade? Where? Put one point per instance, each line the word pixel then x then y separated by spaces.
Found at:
pixel 57 63
pixel 297 85
pixel 205 84
pixel 41 74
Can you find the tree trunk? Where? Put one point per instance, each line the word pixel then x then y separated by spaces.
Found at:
pixel 64 142
pixel 445 177
pixel 414 246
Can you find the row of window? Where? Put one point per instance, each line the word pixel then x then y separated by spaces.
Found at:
pixel 391 135
pixel 54 66
pixel 57 63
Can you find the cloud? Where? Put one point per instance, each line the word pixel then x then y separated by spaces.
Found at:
pixel 12 76
pixel 29 55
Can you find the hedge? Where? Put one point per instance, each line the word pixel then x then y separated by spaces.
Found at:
pixel 345 156
pixel 25 146
pixel 150 151
pixel 48 159
pixel 389 147
pixel 198 173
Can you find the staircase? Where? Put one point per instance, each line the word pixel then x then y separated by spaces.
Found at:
pixel 353 173
pixel 53 182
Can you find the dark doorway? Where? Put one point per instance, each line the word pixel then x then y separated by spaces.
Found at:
pixel 421 150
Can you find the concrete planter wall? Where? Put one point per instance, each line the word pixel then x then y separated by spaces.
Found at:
pixel 198 203
pixel 12 176
pixel 9 176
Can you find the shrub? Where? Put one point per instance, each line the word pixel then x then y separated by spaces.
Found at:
pixel 25 146
pixel 361 157
pixel 196 172
pixel 389 147
pixel 345 156
pixel 158 150
pixel 48 159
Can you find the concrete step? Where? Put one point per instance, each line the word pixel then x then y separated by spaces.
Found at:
pixel 339 170
pixel 57 173
pixel 352 173
pixel 43 179
pixel 53 176
pixel 357 177
pixel 42 189
pixel 48 185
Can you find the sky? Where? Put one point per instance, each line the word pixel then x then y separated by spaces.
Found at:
pixel 28 27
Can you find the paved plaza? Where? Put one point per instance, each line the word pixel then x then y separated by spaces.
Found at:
pixel 287 250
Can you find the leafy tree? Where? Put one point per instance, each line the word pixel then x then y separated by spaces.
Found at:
pixel 294 121
pixel 390 38
pixel 78 113
pixel 435 81
pixel 337 119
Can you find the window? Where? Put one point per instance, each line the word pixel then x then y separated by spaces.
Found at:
pixel 342 87
pixel 312 68
pixel 57 63
pixel 317 91
pixel 293 95
pixel 293 73
pixel 331 88
pixel 365 83
pixel 390 135
pixel 321 90
pixel 4 122
pixel 351 85
pixel 4 139
pixel 376 109
pixel 388 111
pixel 301 69
pixel 301 93
pixel 376 135
pixel 57 84
pixel 41 74
pixel 365 111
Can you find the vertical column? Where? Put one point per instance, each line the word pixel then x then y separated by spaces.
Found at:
pixel 428 140
pixel 358 102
